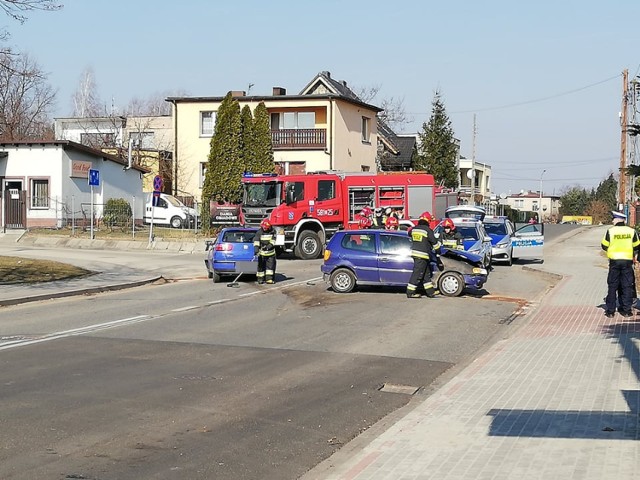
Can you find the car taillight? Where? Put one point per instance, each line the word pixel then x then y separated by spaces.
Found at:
pixel 327 254
pixel 224 247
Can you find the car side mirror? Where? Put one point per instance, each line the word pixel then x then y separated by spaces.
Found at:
pixel 208 244
pixel 487 238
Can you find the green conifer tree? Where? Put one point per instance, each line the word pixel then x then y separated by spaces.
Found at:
pixel 262 146
pixel 438 151
pixel 247 138
pixel 224 169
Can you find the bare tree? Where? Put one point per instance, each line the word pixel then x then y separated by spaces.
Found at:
pixel 86 101
pixel 393 114
pixel 17 9
pixel 26 99
pixel 155 104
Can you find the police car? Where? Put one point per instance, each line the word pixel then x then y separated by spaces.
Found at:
pixel 468 222
pixel 507 243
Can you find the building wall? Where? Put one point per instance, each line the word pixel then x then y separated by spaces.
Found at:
pixel 68 194
pixel 350 152
pixel 344 147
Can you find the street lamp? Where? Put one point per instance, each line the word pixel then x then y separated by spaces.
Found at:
pixel 540 201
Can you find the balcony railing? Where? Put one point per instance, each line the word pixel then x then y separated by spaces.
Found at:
pixel 299 139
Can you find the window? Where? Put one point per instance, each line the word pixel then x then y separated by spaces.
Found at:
pixel 519 203
pixel 365 129
pixel 142 140
pixel 356 241
pixel 395 245
pixel 293 120
pixel 207 123
pixel 98 140
pixel 296 191
pixel 326 189
pixel 39 193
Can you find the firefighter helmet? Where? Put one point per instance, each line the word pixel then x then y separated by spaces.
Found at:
pixel 448 223
pixel 426 216
pixel 391 223
pixel 265 224
pixel 366 211
pixel 364 222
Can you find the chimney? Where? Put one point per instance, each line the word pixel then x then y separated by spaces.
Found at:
pixel 238 93
pixel 279 91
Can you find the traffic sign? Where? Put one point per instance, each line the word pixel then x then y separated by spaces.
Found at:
pixel 94 177
pixel 156 196
pixel 157 183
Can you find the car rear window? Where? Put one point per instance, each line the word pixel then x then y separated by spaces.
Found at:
pixel 468 233
pixel 495 228
pixel 360 242
pixel 238 237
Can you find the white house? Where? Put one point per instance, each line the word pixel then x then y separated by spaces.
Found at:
pixel 46 184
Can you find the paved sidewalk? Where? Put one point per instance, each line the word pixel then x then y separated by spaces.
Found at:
pixel 559 399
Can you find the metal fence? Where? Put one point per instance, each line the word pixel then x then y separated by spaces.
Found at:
pixel 78 214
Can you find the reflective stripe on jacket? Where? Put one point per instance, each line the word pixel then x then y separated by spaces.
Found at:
pixel 620 242
pixel 265 243
pixel 423 241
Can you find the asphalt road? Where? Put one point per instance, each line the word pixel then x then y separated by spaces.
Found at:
pixel 196 380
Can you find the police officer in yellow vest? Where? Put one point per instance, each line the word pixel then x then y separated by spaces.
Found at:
pixel 621 244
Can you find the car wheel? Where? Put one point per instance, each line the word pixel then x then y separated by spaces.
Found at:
pixel 176 222
pixel 210 274
pixel 510 259
pixel 309 246
pixel 451 284
pixel 343 280
pixel 216 277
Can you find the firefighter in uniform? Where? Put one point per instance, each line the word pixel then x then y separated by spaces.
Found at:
pixel 264 246
pixel 391 223
pixel 423 246
pixel 621 244
pixel 450 237
pixel 378 219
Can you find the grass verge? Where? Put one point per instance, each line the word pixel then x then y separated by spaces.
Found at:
pixel 17 270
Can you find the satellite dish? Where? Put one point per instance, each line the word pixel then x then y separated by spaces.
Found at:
pixel 503 196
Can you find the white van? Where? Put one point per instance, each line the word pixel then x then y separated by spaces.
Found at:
pixel 169 211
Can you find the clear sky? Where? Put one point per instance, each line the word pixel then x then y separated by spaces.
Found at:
pixel 543 78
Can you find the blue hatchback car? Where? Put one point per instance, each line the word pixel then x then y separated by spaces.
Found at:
pixel 383 257
pixel 231 253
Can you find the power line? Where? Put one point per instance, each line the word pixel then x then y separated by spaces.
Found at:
pixel 527 102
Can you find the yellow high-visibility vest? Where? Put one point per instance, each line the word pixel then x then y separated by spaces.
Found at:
pixel 619 242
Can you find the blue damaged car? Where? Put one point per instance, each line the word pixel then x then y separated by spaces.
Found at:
pixel 383 257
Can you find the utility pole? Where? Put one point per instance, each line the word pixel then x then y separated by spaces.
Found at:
pixel 624 121
pixel 472 177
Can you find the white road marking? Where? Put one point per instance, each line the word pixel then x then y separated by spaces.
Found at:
pixel 184 309
pixel 76 331
pixel 132 320
pixel 269 288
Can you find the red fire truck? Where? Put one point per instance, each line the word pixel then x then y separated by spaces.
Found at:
pixel 307 209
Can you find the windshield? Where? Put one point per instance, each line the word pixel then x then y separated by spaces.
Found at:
pixel 174 201
pixel 262 194
pixel 495 228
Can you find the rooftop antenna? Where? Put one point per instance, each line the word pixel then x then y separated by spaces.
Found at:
pixel 249 88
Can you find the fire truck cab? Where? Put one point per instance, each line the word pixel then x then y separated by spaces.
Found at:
pixel 307 209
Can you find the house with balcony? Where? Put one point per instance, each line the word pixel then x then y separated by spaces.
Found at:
pixel 474 176
pixel 323 127
pixel 144 140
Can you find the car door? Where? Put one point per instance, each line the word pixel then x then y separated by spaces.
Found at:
pixel 359 252
pixel 394 261
pixel 528 242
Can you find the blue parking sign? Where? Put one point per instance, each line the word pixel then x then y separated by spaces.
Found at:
pixel 94 178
